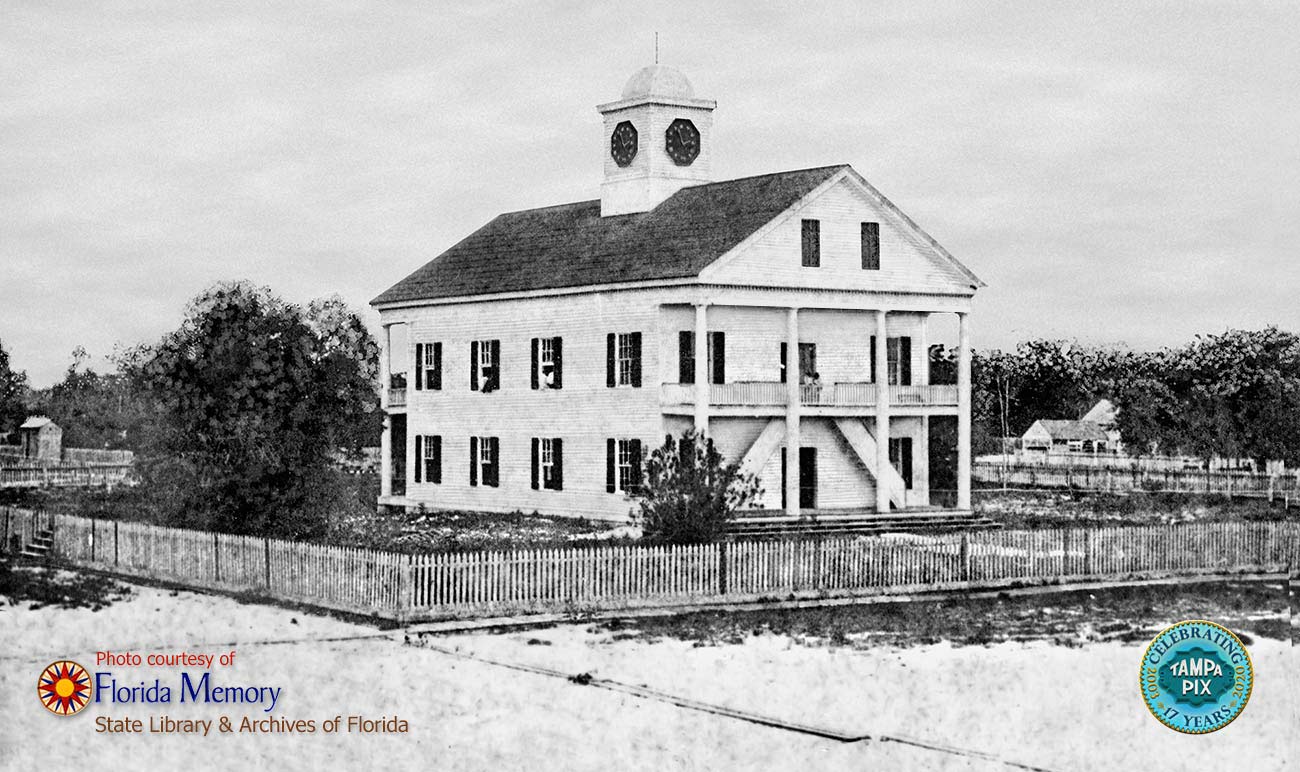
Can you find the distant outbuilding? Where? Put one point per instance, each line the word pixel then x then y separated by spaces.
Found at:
pixel 41 439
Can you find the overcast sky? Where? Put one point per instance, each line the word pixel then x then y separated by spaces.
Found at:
pixel 1116 174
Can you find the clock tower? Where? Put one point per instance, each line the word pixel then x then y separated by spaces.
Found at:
pixel 657 140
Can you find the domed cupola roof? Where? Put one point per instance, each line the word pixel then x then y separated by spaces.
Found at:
pixel 658 80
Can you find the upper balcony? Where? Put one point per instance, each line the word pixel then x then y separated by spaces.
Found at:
pixel 396 391
pixel 771 397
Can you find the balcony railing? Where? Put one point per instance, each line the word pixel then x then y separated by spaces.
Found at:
pixel 765 393
pixel 397 397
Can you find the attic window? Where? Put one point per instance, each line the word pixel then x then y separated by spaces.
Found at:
pixel 871 246
pixel 812 243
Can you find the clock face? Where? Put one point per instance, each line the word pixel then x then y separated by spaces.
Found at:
pixel 622 143
pixel 682 141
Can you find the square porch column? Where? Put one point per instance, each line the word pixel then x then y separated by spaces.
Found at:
pixel 882 415
pixel 792 412
pixel 701 369
pixel 385 436
pixel 963 411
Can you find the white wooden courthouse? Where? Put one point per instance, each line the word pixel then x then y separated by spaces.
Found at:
pixel 785 315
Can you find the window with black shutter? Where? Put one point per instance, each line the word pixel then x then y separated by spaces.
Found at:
pixel 483 461
pixel 546 363
pixel 812 243
pixel 715 350
pixel 485 365
pixel 899 355
pixel 623 466
pixel 428 458
pixel 871 246
pixel 548 463
pixel 433 365
pixel 623 359
pixel 419 372
pixel 685 357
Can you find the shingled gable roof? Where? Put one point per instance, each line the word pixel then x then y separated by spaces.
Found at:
pixel 572 245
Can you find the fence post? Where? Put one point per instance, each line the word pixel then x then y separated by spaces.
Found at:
pixel 722 567
pixel 115 542
pixel 216 559
pixel 965 556
pixel 266 546
pixel 1065 549
pixel 93 521
pixel 1087 550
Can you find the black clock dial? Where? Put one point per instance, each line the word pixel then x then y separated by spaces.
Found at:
pixel 622 143
pixel 682 141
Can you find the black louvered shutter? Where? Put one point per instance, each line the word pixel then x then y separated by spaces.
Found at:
pixel 636 359
pixel 419 457
pixel 636 465
pixel 557 459
pixel 905 361
pixel 611 459
pixel 785 372
pixel 537 457
pixel 473 460
pixel 871 246
pixel 873 359
pixel 719 357
pixel 558 354
pixel 812 243
pixel 611 360
pixel 535 383
pixel 496 364
pixel 685 357
pixel 419 370
pixel 491 471
pixel 437 367
pixel 906 450
pixel 473 365
pixel 434 473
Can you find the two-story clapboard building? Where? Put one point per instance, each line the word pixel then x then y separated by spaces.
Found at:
pixel 786 315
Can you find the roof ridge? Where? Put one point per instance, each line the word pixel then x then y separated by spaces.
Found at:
pixel 769 174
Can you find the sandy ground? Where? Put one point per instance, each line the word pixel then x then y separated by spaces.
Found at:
pixel 1046 706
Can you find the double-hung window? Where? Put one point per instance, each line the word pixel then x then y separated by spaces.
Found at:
pixel 428 458
pixel 548 363
pixel 623 359
pixel 484 461
pixel 622 465
pixel 548 463
pixel 428 366
pixel 485 365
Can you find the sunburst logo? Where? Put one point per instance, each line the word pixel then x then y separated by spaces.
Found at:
pixel 64 688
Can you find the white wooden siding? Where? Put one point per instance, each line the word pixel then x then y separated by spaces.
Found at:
pixel 907 261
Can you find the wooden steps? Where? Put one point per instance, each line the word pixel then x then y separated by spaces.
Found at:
pixel 40 545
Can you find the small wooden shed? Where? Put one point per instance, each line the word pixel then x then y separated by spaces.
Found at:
pixel 41 439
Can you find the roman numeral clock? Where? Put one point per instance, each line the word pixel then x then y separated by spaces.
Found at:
pixel 682 141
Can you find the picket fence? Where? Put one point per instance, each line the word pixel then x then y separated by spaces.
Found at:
pixel 1232 484
pixel 587 579
pixel 62 475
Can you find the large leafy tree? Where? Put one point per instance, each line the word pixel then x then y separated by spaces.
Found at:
pixel 13 391
pixel 690 492
pixel 253 397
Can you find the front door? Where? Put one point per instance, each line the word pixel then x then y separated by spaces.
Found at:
pixel 397 452
pixel 807 478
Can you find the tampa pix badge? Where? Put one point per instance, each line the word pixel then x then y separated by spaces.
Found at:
pixel 1196 677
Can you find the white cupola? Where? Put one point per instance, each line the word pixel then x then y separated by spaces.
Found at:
pixel 657 140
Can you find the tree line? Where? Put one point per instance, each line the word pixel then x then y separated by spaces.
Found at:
pixel 1235 394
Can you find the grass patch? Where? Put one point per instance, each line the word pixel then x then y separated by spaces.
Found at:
pixel 42 586
pixel 1128 614
pixel 1055 508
